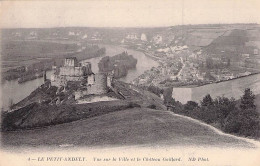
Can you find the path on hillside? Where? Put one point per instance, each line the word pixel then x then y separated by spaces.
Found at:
pixel 256 143
pixel 131 127
pixel 183 66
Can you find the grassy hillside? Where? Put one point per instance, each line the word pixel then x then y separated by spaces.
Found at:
pixel 29 113
pixel 38 115
pixel 136 126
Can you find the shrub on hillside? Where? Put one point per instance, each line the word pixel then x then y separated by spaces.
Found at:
pixel 206 101
pixel 167 96
pixel 244 121
pixel 152 106
pixel 190 105
pixel 155 90
pixel 39 115
pixel 223 107
pixel 223 113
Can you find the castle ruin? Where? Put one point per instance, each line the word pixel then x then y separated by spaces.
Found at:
pixel 81 75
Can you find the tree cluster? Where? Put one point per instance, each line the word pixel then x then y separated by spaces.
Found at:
pixel 236 117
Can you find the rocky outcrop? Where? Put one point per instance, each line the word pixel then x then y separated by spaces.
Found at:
pixel 119 64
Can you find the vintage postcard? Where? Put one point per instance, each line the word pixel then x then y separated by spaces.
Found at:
pixel 130 82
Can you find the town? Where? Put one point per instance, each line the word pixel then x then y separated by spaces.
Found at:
pixel 190 70
pixel 189 55
pixel 198 55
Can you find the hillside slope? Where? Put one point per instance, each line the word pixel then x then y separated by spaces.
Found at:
pixel 136 126
pixel 30 113
pixel 257 102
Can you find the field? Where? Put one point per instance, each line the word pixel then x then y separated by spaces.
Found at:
pixel 136 126
pixel 203 37
pixel 39 55
pixel 22 52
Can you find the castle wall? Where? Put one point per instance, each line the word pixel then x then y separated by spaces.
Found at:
pixel 91 79
pixel 87 65
pixel 88 69
pixel 100 86
pixel 109 81
pixel 80 93
pixel 70 62
pixel 58 81
pixel 72 71
pixel 74 78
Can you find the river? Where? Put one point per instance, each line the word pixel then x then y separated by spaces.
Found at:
pixel 12 91
pixel 232 88
pixel 143 62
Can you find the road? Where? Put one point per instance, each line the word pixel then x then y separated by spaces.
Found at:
pixel 183 66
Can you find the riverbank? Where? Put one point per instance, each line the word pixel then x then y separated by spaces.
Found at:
pixel 160 60
pixel 232 88
pixel 40 55
pixel 217 82
pixel 15 92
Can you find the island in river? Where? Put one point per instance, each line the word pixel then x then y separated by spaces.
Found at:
pixel 118 64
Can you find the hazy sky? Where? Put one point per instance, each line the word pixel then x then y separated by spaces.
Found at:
pixel 126 13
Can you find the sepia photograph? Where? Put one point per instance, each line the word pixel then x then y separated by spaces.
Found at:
pixel 122 82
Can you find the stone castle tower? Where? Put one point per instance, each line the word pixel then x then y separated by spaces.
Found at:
pixel 80 74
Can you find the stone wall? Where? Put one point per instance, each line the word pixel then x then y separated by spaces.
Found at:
pixel 72 71
pixel 58 81
pixel 70 62
pixel 100 85
pixel 110 80
pixel 91 79
pixel 80 93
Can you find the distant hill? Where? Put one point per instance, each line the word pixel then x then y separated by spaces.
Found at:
pixel 136 126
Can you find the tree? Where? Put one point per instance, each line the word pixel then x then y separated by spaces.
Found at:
pixel 207 100
pixel 209 63
pixel 245 121
pixel 223 107
pixel 154 89
pixel 228 63
pixel 167 96
pixel 190 105
pixel 247 100
pixel 249 119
